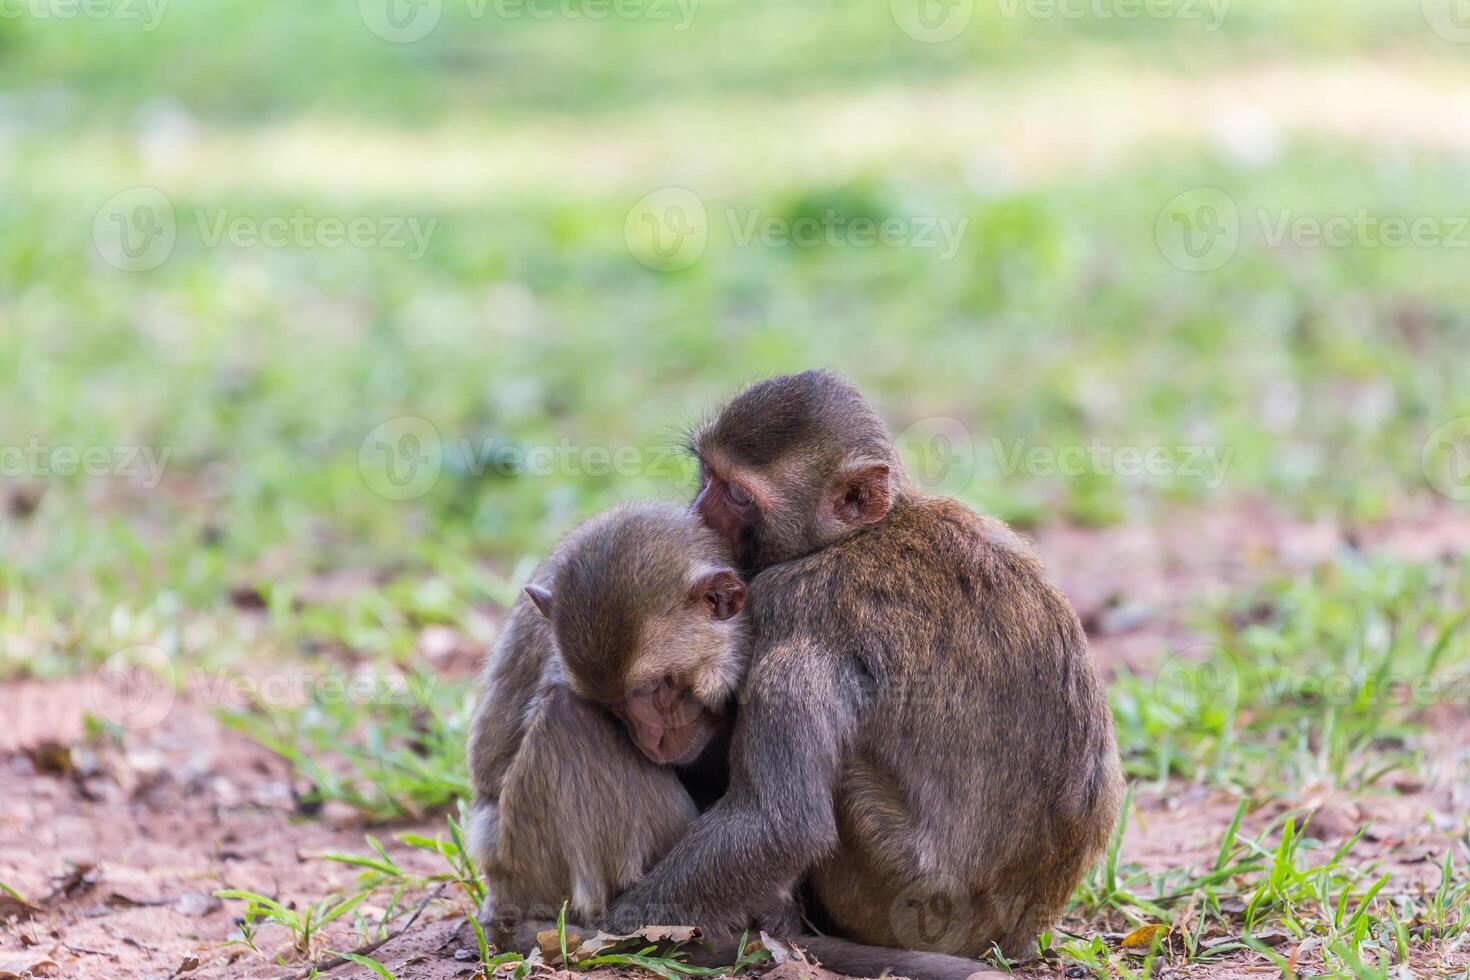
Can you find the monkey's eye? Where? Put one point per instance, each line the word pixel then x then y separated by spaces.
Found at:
pixel 738 495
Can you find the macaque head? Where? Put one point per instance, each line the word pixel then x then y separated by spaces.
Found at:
pixel 645 605
pixel 792 465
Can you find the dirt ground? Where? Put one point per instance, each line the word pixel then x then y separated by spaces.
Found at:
pixel 120 850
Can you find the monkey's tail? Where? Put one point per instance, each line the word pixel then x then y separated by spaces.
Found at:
pixel 858 960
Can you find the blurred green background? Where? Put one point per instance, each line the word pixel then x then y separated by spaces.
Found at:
pixel 180 175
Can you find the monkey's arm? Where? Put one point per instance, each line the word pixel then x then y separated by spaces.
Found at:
pixel 777 820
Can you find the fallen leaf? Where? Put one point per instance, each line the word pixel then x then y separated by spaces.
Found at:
pixel 780 952
pixel 27 966
pixel 548 943
pixel 579 949
pixel 76 881
pixel 190 964
pixel 117 900
pixel 15 907
pixel 51 758
pixel 1144 937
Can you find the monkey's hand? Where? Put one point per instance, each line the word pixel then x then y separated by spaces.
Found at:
pixel 776 821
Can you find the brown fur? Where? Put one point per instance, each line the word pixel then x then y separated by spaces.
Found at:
pixel 565 807
pixel 922 730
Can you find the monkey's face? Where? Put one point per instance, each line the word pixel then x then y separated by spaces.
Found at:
pixel 790 508
pixel 688 663
pixel 666 665
pixel 733 504
pixel 668 723
pixel 792 465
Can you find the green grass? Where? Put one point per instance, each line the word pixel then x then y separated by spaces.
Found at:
pixel 1277 887
pixel 1249 382
pixel 383 880
pixel 1320 681
pixel 400 752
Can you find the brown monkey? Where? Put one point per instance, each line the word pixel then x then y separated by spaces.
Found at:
pixel 566 806
pixel 922 729
pixel 635 616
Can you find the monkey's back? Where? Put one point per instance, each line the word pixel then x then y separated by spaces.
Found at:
pixel 984 778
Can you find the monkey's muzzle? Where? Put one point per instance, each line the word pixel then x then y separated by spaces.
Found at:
pixel 670 726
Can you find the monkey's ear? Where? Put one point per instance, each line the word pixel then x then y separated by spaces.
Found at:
pixel 864 494
pixel 542 598
pixel 721 591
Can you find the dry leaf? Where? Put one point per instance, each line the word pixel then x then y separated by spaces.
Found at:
pixel 79 879
pixel 51 758
pixel 549 943
pixel 1144 937
pixel 27 966
pixel 780 952
pixel 15 907
pixel 579 949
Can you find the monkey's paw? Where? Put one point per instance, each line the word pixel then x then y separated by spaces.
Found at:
pixel 632 913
